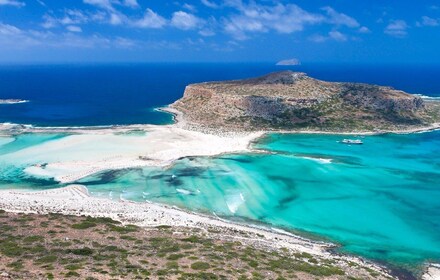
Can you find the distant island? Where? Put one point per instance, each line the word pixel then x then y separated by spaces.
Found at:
pixel 289 62
pixel 12 101
pixel 293 101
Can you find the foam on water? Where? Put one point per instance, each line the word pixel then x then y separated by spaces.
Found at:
pixel 320 160
pixel 234 201
pixel 183 191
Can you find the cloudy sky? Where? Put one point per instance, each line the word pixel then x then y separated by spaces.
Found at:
pixel 345 31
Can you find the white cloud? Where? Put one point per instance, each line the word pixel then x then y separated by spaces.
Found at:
pixel 340 19
pixel 210 4
pixel 6 29
pixel 49 22
pixel 427 21
pixel 189 7
pixel 263 18
pixel 108 4
pixel 332 35
pixel 318 38
pixel 12 3
pixel 207 32
pixel 185 21
pixel 364 29
pixel 13 38
pixel 74 17
pixel 105 4
pixel 131 3
pixel 397 28
pixel 74 28
pixel 337 36
pixel 116 19
pixel 150 20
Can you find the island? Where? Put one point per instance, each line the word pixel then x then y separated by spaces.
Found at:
pixel 293 101
pixel 289 62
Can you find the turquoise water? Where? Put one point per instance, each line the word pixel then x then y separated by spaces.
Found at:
pixel 380 200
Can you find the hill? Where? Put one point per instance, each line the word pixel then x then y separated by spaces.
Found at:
pixel 294 101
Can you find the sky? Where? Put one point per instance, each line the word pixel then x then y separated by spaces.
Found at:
pixel 312 31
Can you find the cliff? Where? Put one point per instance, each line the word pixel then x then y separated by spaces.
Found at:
pixel 293 101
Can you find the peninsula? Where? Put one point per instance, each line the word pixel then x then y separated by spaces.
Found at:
pixel 293 101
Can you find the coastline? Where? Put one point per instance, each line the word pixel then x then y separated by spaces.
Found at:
pixel 75 200
pixel 161 146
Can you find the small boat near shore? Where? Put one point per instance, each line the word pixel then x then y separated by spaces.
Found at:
pixel 352 141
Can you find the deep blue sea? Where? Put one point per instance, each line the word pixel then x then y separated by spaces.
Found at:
pixel 380 200
pixel 63 95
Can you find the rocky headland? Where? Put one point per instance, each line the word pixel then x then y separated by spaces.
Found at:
pixel 293 101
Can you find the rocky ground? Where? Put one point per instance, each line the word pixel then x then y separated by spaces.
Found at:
pixel 295 102
pixel 59 246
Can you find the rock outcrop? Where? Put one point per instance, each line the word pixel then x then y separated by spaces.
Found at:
pixel 292 101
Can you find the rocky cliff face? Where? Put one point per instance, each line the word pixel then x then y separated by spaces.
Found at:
pixel 291 100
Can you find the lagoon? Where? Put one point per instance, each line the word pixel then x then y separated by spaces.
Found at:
pixel 378 200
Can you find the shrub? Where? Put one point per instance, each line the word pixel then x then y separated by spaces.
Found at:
pixel 174 257
pixel 84 225
pixel 82 251
pixel 200 266
pixel 33 238
pixel 46 259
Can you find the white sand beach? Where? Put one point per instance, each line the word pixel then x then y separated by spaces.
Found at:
pixel 75 200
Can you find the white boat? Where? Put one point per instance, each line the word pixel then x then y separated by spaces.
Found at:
pixel 352 141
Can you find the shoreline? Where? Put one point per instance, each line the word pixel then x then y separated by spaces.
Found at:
pixel 76 200
pixel 180 122
pixel 161 146
pixel 167 214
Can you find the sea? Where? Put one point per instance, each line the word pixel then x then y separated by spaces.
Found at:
pixel 380 200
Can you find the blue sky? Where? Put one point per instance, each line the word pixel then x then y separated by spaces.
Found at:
pixel 347 31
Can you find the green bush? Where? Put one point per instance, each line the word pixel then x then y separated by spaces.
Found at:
pixel 200 266
pixel 84 225
pixel 82 251
pixel 33 238
pixel 46 259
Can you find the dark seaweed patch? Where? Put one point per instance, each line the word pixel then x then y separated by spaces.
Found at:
pixel 420 176
pixel 158 176
pixel 175 182
pixel 107 176
pixel 238 159
pixel 285 202
pixel 190 171
pixel 289 182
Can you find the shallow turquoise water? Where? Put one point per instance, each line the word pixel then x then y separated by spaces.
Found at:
pixel 380 200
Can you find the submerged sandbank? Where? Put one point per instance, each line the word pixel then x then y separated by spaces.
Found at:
pixel 83 152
